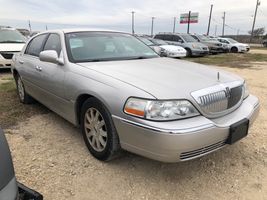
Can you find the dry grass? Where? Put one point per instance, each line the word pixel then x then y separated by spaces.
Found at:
pixel 11 110
pixel 242 60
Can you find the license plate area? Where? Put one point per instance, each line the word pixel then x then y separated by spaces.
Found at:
pixel 238 131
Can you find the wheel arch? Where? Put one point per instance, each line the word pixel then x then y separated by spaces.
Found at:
pixel 80 101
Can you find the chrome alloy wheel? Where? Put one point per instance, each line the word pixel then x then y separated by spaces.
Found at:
pixel 95 129
pixel 21 89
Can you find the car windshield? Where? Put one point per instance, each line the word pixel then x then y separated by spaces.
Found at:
pixel 105 46
pixel 203 38
pixel 11 36
pixel 188 38
pixel 159 42
pixel 146 41
pixel 231 40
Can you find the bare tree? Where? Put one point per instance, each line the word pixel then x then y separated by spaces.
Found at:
pixel 258 32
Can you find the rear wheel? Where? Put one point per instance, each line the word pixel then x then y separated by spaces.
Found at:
pixel 24 97
pixel 234 49
pixel 98 130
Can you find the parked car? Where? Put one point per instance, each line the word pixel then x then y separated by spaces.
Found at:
pixel 11 41
pixel 10 189
pixel 234 46
pixel 264 43
pixel 214 46
pixel 125 96
pixel 191 45
pixel 167 50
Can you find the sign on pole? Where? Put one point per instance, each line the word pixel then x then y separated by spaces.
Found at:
pixel 184 18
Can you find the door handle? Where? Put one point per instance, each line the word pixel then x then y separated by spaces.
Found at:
pixel 38 68
pixel 21 61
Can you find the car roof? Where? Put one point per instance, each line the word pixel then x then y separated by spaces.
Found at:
pixel 73 30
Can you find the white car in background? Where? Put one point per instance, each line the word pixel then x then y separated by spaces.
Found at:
pixel 166 49
pixel 235 46
pixel 11 41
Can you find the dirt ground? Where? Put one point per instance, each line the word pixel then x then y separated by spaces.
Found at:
pixel 50 156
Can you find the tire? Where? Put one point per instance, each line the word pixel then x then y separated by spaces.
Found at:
pixel 99 133
pixel 24 97
pixel 234 50
pixel 188 52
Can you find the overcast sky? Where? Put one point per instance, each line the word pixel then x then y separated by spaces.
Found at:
pixel 116 14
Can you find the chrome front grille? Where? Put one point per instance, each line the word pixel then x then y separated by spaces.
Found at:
pixel 220 99
pixel 214 102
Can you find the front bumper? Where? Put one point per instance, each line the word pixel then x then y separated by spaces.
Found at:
pixel 200 52
pixel 181 140
pixel 5 63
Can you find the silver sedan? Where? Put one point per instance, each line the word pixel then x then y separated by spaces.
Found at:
pixel 124 96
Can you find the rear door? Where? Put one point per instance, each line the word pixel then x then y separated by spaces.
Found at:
pixel 27 62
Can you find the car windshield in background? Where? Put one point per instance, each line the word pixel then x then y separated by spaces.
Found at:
pixel 105 46
pixel 146 41
pixel 188 38
pixel 203 38
pixel 232 41
pixel 11 36
pixel 160 42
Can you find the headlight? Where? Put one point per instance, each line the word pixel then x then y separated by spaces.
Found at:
pixel 160 110
pixel 246 93
pixel 196 46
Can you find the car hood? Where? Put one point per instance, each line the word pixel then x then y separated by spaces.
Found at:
pixel 164 78
pixel 11 46
pixel 172 48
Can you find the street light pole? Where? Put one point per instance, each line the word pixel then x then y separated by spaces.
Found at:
pixel 133 22
pixel 223 23
pixel 174 24
pixel 152 26
pixel 211 7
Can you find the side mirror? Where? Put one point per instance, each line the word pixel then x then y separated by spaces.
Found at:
pixel 50 56
pixel 180 41
pixel 158 50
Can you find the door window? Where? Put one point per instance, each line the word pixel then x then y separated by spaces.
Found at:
pixel 53 43
pixel 35 46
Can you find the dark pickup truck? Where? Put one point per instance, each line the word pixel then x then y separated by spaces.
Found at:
pixel 10 189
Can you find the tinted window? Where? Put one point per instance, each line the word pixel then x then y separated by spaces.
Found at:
pixel 35 46
pixel 159 37
pixel 177 38
pixel 53 43
pixel 168 37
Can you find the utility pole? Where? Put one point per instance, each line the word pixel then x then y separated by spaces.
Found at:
pixel 133 22
pixel 211 7
pixel 174 24
pixel 152 26
pixel 30 26
pixel 46 27
pixel 215 30
pixel 188 25
pixel 223 23
pixel 254 20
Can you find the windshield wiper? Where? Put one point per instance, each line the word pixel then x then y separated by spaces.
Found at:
pixel 11 41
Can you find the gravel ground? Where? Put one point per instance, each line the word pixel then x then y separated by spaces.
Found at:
pixel 50 156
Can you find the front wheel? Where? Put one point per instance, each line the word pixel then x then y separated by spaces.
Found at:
pixel 234 49
pixel 188 52
pixel 98 130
